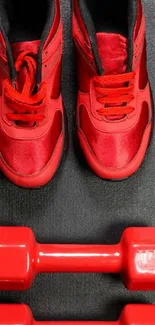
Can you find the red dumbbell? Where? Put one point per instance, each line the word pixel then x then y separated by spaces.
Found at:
pixel 131 315
pixel 22 258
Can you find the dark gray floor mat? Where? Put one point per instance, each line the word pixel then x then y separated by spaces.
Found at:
pixel 79 207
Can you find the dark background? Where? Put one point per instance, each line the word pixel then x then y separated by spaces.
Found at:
pixel 78 207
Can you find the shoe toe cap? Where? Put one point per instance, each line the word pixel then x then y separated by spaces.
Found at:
pixel 113 150
pixel 30 156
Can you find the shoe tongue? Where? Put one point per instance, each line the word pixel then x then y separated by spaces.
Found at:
pixel 113 52
pixel 17 48
pixel 31 46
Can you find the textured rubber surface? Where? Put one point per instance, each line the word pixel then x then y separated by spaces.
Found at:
pixel 79 207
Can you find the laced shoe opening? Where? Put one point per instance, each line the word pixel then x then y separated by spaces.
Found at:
pixel 109 15
pixel 26 102
pixel 114 93
pixel 24 20
pixel 110 26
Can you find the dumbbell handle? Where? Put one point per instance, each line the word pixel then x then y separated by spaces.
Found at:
pixel 78 258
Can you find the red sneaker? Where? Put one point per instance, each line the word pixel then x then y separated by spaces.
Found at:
pixel 114 111
pixel 31 110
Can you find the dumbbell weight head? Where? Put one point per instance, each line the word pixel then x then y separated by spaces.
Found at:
pixel 17 256
pixel 138 315
pixel 15 314
pixel 138 258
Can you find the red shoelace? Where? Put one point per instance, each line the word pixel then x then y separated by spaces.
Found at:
pixel 115 99
pixel 26 104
